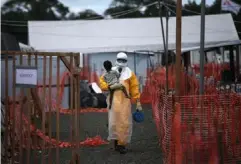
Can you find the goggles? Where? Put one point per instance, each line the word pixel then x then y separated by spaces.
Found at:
pixel 121 60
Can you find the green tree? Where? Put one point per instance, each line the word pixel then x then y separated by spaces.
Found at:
pixel 86 14
pixel 24 10
pixel 191 8
pixel 37 9
pixel 131 5
pixel 123 12
pixel 215 8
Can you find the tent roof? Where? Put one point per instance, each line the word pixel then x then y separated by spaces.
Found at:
pixel 129 34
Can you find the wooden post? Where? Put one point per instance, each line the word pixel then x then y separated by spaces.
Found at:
pixel 35 114
pixel 178 45
pixel 58 107
pixel 44 119
pixel 72 103
pixel 7 112
pixel 14 99
pixel 76 107
pixel 21 121
pixel 29 118
pixel 50 108
pixel 202 47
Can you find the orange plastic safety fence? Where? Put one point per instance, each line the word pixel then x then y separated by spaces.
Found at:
pixel 51 142
pixel 212 69
pixel 193 130
pixel 189 81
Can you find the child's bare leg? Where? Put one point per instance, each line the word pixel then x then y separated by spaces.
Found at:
pixel 120 86
pixel 111 98
pixel 125 92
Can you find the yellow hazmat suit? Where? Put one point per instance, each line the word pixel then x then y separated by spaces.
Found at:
pixel 120 115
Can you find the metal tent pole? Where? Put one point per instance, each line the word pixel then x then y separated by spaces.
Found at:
pixel 162 28
pixel 166 49
pixel 202 46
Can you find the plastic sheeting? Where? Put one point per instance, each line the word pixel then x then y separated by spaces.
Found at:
pixel 129 34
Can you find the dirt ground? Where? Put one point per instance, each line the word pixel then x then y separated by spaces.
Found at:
pixel 143 149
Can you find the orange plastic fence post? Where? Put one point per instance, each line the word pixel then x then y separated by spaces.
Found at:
pixel 177 133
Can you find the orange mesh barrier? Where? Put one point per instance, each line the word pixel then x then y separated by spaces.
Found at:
pixel 51 142
pixel 193 130
pixel 211 69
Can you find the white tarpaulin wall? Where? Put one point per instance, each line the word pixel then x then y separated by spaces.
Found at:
pixel 128 34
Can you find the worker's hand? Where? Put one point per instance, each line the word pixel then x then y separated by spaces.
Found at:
pixel 138 105
pixel 116 86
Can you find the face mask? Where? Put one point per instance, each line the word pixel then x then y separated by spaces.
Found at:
pixel 121 60
pixel 121 63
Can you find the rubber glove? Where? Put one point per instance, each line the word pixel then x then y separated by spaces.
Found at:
pixel 138 105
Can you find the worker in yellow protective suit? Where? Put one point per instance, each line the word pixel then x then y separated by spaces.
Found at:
pixel 120 115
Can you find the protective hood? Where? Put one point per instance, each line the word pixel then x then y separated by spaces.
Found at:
pixel 121 59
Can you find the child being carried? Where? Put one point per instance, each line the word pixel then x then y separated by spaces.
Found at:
pixel 111 77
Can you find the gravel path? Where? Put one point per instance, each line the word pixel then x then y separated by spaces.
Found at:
pixel 144 148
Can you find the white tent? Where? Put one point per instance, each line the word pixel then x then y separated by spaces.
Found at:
pixel 128 34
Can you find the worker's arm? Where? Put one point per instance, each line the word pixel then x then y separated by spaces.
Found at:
pixel 103 84
pixel 134 91
pixel 134 87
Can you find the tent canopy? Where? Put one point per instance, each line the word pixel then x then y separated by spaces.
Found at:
pixel 138 34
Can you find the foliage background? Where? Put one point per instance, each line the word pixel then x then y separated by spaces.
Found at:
pixel 16 13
